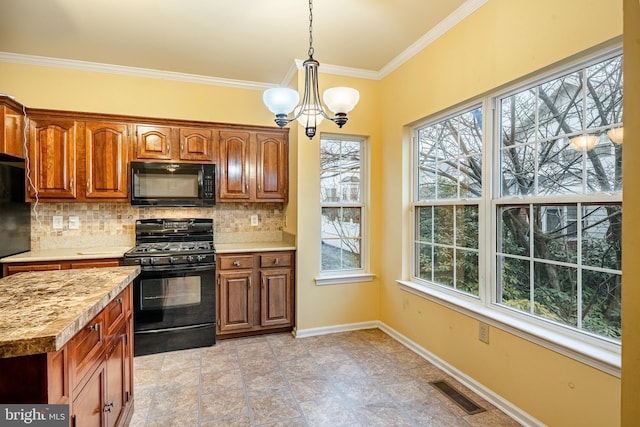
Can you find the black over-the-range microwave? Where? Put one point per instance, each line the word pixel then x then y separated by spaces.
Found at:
pixel 173 184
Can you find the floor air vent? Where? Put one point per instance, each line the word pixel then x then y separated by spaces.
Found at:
pixel 468 405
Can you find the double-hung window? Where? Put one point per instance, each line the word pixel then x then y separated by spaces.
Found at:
pixel 342 202
pixel 547 214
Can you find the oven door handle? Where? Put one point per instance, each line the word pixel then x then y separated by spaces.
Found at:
pixel 182 269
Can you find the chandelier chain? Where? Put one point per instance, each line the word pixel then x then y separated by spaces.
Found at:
pixel 310 29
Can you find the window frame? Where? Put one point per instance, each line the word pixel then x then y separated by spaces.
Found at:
pixel 591 349
pixel 350 275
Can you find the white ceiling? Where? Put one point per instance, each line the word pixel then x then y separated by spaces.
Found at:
pixel 246 40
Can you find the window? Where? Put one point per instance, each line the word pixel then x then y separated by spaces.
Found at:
pixel 342 203
pixel 551 197
pixel 449 187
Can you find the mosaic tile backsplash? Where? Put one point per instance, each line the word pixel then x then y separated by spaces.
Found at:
pixel 113 224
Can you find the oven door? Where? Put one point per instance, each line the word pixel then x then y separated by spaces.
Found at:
pixel 177 297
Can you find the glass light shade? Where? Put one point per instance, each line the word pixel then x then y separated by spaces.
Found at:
pixel 341 99
pixel 583 142
pixel 310 116
pixel 616 135
pixel 280 100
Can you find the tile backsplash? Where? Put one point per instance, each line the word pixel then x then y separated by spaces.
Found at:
pixel 113 224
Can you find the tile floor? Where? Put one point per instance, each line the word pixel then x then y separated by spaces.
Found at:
pixel 361 378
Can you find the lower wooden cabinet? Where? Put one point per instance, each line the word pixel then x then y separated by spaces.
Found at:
pixel 255 293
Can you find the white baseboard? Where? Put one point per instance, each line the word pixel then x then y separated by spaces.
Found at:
pixel 496 400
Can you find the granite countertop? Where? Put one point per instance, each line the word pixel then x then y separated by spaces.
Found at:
pixel 42 311
pixel 67 254
pixel 222 248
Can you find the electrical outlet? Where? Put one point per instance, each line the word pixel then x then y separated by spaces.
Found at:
pixel 254 220
pixel 483 333
pixel 74 222
pixel 57 222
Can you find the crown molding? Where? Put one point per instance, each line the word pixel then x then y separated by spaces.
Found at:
pixel 466 9
pixel 128 71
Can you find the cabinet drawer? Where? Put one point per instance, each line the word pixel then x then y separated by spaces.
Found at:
pixel 86 348
pixel 235 262
pixel 116 312
pixel 276 259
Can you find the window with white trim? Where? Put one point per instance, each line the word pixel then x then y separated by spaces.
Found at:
pixel 553 212
pixel 342 202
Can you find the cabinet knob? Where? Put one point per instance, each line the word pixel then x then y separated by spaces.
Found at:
pixel 236 263
pixel 276 261
pixel 94 327
pixel 119 300
pixel 108 407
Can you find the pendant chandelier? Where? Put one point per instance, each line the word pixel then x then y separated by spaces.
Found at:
pixel 281 101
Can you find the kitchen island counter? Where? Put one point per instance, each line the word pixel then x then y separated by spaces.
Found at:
pixel 42 311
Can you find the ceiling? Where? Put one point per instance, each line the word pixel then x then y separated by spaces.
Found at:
pixel 254 41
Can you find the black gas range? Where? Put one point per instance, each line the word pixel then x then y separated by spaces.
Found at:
pixel 174 295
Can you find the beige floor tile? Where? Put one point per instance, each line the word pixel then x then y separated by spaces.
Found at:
pixel 352 379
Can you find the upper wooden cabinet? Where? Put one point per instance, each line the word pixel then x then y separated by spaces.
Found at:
pixel 12 129
pixel 196 144
pixel 77 160
pixel 153 142
pixel 106 160
pixel 253 166
pixel 52 153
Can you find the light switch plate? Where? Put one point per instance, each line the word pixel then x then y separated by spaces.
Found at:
pixel 254 220
pixel 57 222
pixel 74 222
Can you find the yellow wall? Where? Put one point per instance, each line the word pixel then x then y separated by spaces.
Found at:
pixel 501 42
pixel 630 219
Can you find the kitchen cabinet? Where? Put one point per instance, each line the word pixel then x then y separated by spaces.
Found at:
pixel 19 267
pixel 157 142
pixel 101 363
pixel 255 293
pixel 253 166
pixel 78 160
pixel 52 154
pixel 106 165
pixel 12 138
pixel 92 372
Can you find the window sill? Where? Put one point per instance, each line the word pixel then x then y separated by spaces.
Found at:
pixel 344 278
pixel 605 357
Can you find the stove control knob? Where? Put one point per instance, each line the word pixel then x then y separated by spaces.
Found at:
pixel 152 261
pixel 172 260
pixel 201 258
pixel 190 258
pixel 143 261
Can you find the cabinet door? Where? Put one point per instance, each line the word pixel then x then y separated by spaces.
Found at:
pixel 271 167
pixel 235 300
pixel 115 377
pixel 196 144
pixel 153 142
pixel 106 160
pixel 275 297
pixel 11 138
pixel 88 405
pixel 234 165
pixel 52 153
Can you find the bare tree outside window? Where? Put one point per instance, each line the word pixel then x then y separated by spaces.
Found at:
pixel 341 199
pixel 557 205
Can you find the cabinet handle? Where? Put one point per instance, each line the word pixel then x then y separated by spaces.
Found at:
pixel 88 185
pixel 119 300
pixel 249 282
pixel 246 187
pixel 94 327
pixel 71 183
pixel 236 263
pixel 259 188
pixel 182 147
pixel 276 261
pixel 168 148
pixel 108 407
